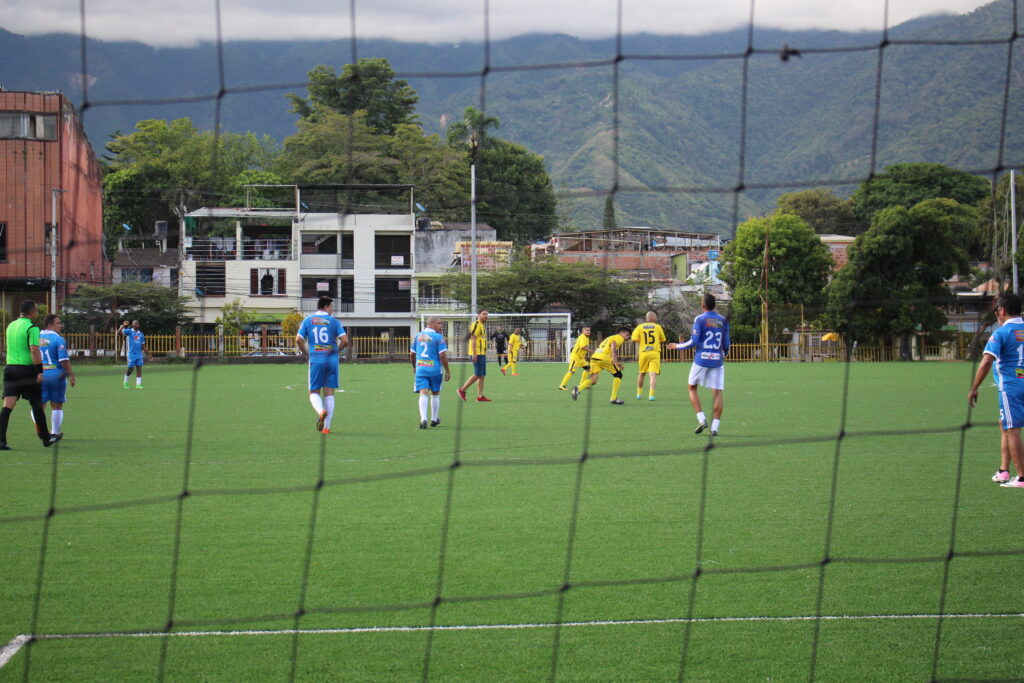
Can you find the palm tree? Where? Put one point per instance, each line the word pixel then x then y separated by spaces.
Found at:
pixel 472 129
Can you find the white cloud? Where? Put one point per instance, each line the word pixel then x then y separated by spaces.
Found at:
pixel 186 22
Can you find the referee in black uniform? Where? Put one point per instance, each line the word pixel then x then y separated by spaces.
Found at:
pixel 23 375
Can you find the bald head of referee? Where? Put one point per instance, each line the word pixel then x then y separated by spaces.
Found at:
pixel 23 374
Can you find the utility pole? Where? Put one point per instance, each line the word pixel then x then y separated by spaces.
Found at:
pixel 1013 232
pixel 53 249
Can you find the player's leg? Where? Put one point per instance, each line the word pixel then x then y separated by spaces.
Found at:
pixel 616 383
pixel 653 370
pixel 56 417
pixel 639 384
pixel 424 401
pixel 128 374
pixel 715 380
pixel 435 402
pixel 138 373
pixel 329 388
pixel 5 412
pixel 1002 475
pixel 1012 413
pixel 567 376
pixel 316 383
pixel 694 380
pixel 480 369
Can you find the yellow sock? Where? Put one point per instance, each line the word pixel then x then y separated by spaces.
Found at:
pixel 651 393
pixel 585 382
pixel 615 388
pixel 565 380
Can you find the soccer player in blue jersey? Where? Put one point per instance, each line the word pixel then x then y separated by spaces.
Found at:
pixel 711 337
pixel 57 371
pixel 429 355
pixel 135 351
pixel 1005 350
pixel 320 338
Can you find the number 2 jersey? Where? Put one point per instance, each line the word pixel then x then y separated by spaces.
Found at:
pixel 321 332
pixel 711 337
pixel 428 347
pixel 1007 345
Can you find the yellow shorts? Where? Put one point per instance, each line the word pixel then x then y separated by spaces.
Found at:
pixel 650 362
pixel 577 363
pixel 598 364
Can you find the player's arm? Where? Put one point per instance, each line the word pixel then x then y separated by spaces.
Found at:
pixel 412 359
pixel 68 372
pixel 342 341
pixel 694 336
pixel 613 348
pixel 983 367
pixel 444 364
pixel 300 343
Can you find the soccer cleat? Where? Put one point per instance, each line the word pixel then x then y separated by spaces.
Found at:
pixel 650 398
pixel 435 423
pixel 616 401
pixel 423 424
pixel 575 393
pixel 320 419
pixel 461 393
pixel 4 446
pixel 515 374
pixel 502 370
pixel 138 386
pixel 325 431
pixel 482 399
pixel 54 438
pixel 1015 483
pixel 1001 477
pixel 700 428
pixel 126 385
pixel 714 432
pixel 561 388
pixel 639 396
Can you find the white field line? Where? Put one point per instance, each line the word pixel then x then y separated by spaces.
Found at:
pixel 16 643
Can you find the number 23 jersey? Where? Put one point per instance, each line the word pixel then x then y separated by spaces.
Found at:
pixel 711 337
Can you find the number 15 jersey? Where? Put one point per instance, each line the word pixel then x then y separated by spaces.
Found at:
pixel 321 332
pixel 711 337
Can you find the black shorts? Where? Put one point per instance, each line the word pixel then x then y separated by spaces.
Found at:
pixel 21 381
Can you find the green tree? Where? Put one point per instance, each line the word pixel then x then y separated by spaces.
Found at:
pixel 894 282
pixel 593 295
pixel 822 210
pixel 798 268
pixel 473 131
pixel 234 317
pixel 514 192
pixel 290 324
pixel 609 213
pixel 240 195
pixel 159 308
pixel 368 86
pixel 909 184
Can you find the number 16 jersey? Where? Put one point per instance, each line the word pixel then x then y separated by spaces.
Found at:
pixel 321 332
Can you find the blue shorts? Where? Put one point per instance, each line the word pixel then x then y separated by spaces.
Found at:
pixel 432 382
pixel 480 366
pixel 55 389
pixel 1011 410
pixel 323 375
pixel 134 361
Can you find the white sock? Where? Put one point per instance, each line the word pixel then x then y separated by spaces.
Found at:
pixel 57 417
pixel 329 405
pixel 31 416
pixel 424 402
pixel 701 418
pixel 318 403
pixel 714 425
pixel 435 406
pixel 138 381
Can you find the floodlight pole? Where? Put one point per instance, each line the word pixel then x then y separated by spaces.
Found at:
pixel 53 248
pixel 472 238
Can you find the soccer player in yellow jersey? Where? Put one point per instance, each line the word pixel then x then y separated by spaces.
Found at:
pixel 605 358
pixel 578 357
pixel 515 342
pixel 649 336
pixel 477 339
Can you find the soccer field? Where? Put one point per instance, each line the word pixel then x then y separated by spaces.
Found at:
pixel 489 549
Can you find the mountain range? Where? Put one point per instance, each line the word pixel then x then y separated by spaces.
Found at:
pixel 692 132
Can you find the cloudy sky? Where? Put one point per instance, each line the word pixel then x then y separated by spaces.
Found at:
pixel 185 22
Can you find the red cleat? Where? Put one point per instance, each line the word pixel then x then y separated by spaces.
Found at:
pixel 483 399
pixel 461 393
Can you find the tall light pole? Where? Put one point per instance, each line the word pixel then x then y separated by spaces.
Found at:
pixel 53 249
pixel 474 145
pixel 1013 232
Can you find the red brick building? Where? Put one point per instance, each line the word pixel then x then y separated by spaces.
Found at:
pixel 48 176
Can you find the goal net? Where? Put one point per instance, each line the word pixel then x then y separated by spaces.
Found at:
pixel 546 336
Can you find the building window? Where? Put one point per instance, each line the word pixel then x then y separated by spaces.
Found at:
pixel 392 296
pixel 392 251
pixel 136 275
pixel 28 126
pixel 267 281
pixel 210 279
pixel 3 243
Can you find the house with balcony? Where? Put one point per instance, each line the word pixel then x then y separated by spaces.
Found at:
pixel 147 259
pixel 278 260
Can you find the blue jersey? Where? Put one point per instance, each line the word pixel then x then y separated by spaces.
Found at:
pixel 321 333
pixel 428 347
pixel 711 337
pixel 53 349
pixel 133 339
pixel 1007 345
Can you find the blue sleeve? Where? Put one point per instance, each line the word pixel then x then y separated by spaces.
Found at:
pixel 695 336
pixel 304 329
pixel 62 351
pixel 992 346
pixel 341 329
pixel 725 339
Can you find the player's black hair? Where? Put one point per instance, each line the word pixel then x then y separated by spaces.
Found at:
pixel 709 302
pixel 28 306
pixel 1009 302
pixel 48 320
pixel 624 329
pixel 323 302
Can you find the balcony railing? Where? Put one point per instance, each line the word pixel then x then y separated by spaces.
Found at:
pixel 324 262
pixel 266 250
pixel 393 260
pixel 309 306
pixel 440 305
pixel 252 250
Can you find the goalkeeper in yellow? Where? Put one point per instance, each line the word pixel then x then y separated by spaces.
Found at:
pixel 515 342
pixel 578 357
pixel 606 358
pixel 649 336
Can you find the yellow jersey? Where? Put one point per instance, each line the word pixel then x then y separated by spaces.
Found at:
pixel 604 351
pixel 648 337
pixel 514 342
pixel 579 349
pixel 478 338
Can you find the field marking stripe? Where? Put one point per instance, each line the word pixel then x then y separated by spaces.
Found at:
pixel 19 641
